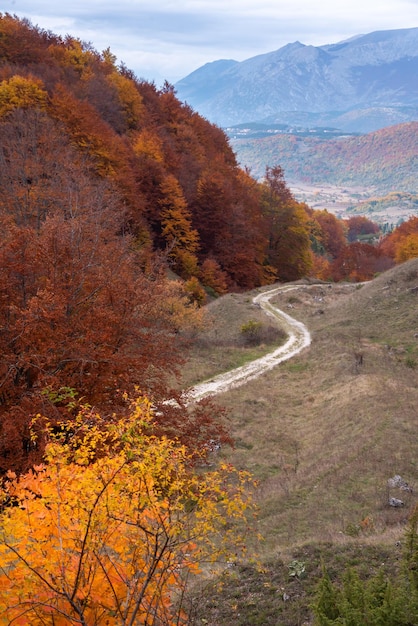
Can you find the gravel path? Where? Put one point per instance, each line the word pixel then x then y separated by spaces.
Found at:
pixel 298 339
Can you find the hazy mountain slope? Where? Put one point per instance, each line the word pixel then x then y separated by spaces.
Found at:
pixel 386 160
pixel 372 77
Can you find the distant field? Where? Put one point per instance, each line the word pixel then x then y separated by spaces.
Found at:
pixel 344 202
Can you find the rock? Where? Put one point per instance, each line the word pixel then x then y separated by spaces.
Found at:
pixel 399 483
pixel 396 503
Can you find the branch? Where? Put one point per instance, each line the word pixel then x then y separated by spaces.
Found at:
pixel 87 531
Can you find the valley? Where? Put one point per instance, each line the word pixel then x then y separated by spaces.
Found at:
pixel 337 200
pixel 374 175
pixel 141 251
pixel 344 202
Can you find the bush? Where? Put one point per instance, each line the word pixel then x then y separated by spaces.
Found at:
pixel 252 333
pixel 377 601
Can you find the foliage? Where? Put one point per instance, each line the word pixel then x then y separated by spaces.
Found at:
pixel 110 528
pixel 407 249
pixel 21 92
pixel 84 299
pixel 297 569
pixel 156 153
pixel 181 239
pixel 358 262
pixel 401 243
pixel 286 221
pixel 213 277
pixel 359 225
pixel 251 331
pixel 376 601
pixel 77 310
pixel 384 160
pixel 333 233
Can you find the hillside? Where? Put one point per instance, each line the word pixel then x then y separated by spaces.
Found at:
pixel 119 206
pixel 359 85
pixel 384 161
pixel 323 434
pixel 162 163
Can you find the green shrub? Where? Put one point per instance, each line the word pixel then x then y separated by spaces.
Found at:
pixel 377 601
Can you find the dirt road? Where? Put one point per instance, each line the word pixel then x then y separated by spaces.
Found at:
pixel 298 339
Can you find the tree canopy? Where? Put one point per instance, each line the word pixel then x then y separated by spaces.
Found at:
pixel 113 525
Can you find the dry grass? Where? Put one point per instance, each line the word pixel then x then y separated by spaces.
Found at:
pixel 324 432
pixel 222 346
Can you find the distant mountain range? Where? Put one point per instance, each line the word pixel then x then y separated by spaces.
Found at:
pixel 385 160
pixel 359 85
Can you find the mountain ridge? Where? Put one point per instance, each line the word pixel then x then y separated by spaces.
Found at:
pixel 372 71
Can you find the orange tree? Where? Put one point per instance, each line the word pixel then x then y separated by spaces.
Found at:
pixel 401 244
pixel 287 223
pixel 113 525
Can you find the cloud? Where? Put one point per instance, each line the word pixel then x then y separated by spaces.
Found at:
pixel 167 39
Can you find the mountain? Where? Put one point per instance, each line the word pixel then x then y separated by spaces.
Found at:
pixel 358 85
pixel 385 160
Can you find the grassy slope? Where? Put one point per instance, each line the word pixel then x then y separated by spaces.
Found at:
pixel 323 433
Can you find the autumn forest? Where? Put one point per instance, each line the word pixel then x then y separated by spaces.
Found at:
pixel 122 212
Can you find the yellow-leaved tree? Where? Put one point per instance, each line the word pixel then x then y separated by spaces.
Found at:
pixel 22 92
pixel 110 529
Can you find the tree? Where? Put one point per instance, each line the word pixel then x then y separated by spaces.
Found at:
pixel 81 305
pixel 23 43
pixel 333 237
pixel 286 221
pixel 377 601
pixel 21 92
pixel 359 261
pixel 393 243
pixel 110 529
pixel 181 240
pixel 130 98
pixel 213 277
pixel 359 225
pixel 407 248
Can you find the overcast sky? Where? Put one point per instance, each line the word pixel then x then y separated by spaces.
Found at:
pixel 168 39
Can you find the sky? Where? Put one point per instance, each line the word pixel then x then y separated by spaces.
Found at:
pixel 168 39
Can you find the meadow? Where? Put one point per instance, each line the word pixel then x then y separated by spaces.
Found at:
pixel 322 434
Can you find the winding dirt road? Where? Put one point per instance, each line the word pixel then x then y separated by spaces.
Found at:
pixel 298 339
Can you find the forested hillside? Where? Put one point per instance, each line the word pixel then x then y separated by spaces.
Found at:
pixel 108 183
pixel 103 183
pixel 385 160
pixel 104 255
